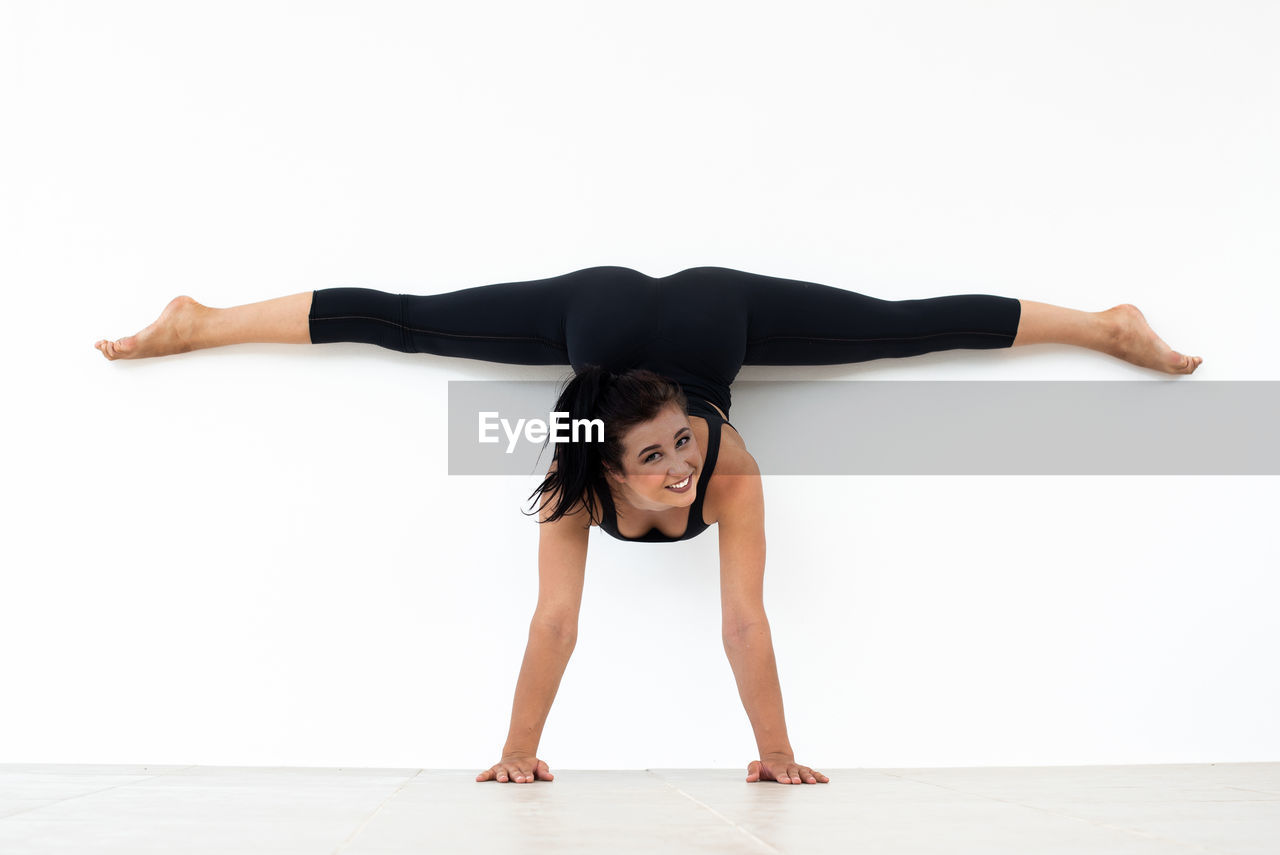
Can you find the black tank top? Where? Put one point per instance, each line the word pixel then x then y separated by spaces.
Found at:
pixel 696 525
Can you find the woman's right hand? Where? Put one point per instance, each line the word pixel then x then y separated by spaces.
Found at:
pixel 520 768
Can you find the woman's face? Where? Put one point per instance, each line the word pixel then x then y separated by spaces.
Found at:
pixel 658 454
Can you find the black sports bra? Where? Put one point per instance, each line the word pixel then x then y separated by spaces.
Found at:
pixel 696 525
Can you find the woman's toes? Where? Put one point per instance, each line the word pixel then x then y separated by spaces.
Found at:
pixel 121 348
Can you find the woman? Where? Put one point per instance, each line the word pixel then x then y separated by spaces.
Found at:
pixel 653 358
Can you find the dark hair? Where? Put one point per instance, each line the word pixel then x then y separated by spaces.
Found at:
pixel 620 401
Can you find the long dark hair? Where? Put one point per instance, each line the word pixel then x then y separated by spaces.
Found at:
pixel 620 401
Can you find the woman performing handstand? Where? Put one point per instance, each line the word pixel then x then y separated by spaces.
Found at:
pixel 653 359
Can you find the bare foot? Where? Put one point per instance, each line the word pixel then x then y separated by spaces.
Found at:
pixel 172 332
pixel 1134 341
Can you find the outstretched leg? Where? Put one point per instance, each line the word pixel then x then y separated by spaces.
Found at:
pixel 793 322
pixel 188 325
pixel 513 322
pixel 1121 331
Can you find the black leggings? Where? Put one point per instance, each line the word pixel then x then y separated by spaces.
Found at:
pixel 698 326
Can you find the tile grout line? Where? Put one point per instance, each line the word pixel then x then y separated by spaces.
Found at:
pixel 1146 834
pixel 1272 793
pixel 708 807
pixel 359 828
pixel 94 792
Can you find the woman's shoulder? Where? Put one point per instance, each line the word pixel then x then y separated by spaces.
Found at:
pixel 574 518
pixel 733 458
pixel 729 436
pixel 735 482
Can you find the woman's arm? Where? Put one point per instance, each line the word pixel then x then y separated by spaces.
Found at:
pixel 553 633
pixel 744 625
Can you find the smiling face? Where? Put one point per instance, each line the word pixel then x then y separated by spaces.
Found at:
pixel 658 454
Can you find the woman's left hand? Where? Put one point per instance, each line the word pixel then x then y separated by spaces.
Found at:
pixel 784 769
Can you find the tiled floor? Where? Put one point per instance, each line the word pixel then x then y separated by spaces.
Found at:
pixel 1223 808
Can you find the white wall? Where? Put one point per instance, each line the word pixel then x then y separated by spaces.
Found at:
pixel 253 555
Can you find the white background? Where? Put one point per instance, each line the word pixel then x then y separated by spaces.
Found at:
pixel 253 555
